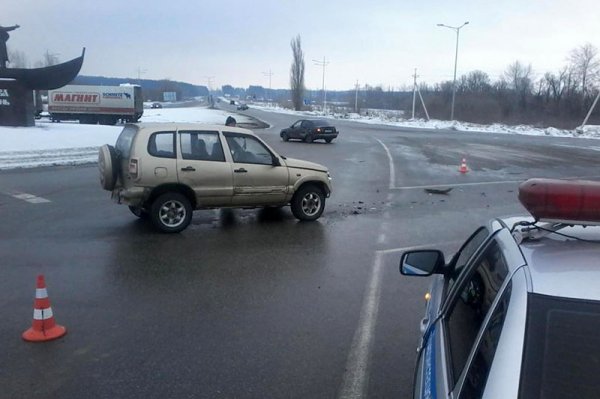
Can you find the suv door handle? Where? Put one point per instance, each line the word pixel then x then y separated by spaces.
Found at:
pixel 188 169
pixel 240 170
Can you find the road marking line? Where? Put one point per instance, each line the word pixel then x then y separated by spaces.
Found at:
pixel 354 384
pixel 391 160
pixel 355 379
pixel 27 197
pixel 482 183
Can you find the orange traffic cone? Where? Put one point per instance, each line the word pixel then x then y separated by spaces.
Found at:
pixel 463 166
pixel 43 328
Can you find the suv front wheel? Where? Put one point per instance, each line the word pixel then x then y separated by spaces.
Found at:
pixel 308 203
pixel 171 212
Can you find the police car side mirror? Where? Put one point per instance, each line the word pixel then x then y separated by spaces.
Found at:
pixel 422 263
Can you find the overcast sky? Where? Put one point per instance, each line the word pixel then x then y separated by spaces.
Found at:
pixel 237 42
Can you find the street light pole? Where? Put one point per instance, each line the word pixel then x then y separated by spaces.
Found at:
pixel 457 30
pixel 323 64
pixel 269 74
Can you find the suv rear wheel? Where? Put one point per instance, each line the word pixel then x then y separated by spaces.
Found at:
pixel 171 212
pixel 308 203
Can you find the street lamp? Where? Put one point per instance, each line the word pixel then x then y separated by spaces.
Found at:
pixel 457 30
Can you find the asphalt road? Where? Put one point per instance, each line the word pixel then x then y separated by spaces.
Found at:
pixel 252 303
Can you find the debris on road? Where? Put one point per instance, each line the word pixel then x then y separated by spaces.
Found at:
pixel 443 191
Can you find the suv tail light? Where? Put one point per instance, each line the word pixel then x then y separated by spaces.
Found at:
pixel 556 200
pixel 133 168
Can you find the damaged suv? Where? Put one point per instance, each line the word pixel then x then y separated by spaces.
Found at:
pixel 166 171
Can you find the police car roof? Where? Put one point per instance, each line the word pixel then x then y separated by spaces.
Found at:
pixel 565 267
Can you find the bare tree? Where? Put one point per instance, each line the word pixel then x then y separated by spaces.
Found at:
pixel 17 59
pixel 586 65
pixel 297 73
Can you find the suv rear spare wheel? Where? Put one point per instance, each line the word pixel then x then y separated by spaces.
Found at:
pixel 107 166
pixel 308 203
pixel 171 212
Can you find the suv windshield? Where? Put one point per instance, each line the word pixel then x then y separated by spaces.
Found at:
pixel 125 139
pixel 562 348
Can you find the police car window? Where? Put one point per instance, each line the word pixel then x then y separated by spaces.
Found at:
pixel 466 252
pixel 479 368
pixel 475 297
pixel 561 357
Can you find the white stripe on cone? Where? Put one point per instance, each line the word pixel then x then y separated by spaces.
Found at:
pixel 41 293
pixel 42 314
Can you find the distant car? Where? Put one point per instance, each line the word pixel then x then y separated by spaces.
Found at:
pixel 164 171
pixel 156 105
pixel 242 107
pixel 231 102
pixel 310 130
pixel 515 313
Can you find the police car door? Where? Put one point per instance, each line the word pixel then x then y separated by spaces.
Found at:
pixel 471 291
pixel 465 308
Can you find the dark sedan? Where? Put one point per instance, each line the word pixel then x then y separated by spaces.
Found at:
pixel 309 130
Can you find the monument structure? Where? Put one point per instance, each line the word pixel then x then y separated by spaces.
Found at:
pixel 18 84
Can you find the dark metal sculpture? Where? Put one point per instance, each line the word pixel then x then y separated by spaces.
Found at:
pixel 17 84
pixel 47 78
pixel 3 39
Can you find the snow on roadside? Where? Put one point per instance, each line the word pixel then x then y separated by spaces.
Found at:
pixel 381 117
pixel 71 143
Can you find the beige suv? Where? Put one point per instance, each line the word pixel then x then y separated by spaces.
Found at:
pixel 165 171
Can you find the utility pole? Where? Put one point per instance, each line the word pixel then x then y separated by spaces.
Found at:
pixel 209 79
pixel 269 74
pixel 415 76
pixel 140 71
pixel 323 64
pixel 457 30
pixel 356 98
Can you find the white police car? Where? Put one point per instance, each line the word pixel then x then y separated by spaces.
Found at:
pixel 516 312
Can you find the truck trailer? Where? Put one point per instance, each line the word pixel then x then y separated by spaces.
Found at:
pixel 106 105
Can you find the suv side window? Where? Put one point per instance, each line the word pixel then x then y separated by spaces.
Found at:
pixel 474 298
pixel 479 368
pixel 201 146
pixel 247 149
pixel 297 124
pixel 306 124
pixel 162 144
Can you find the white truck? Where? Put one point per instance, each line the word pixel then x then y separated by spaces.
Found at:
pixel 106 105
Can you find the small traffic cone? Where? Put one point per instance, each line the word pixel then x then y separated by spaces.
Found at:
pixel 43 328
pixel 463 166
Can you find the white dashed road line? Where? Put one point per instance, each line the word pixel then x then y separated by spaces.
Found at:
pixel 32 199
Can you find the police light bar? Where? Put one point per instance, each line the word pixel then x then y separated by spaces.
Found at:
pixel 562 201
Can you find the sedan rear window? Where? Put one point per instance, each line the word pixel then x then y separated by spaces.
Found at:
pixel 320 123
pixel 562 348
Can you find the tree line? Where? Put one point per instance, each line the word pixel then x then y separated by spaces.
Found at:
pixel 561 98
